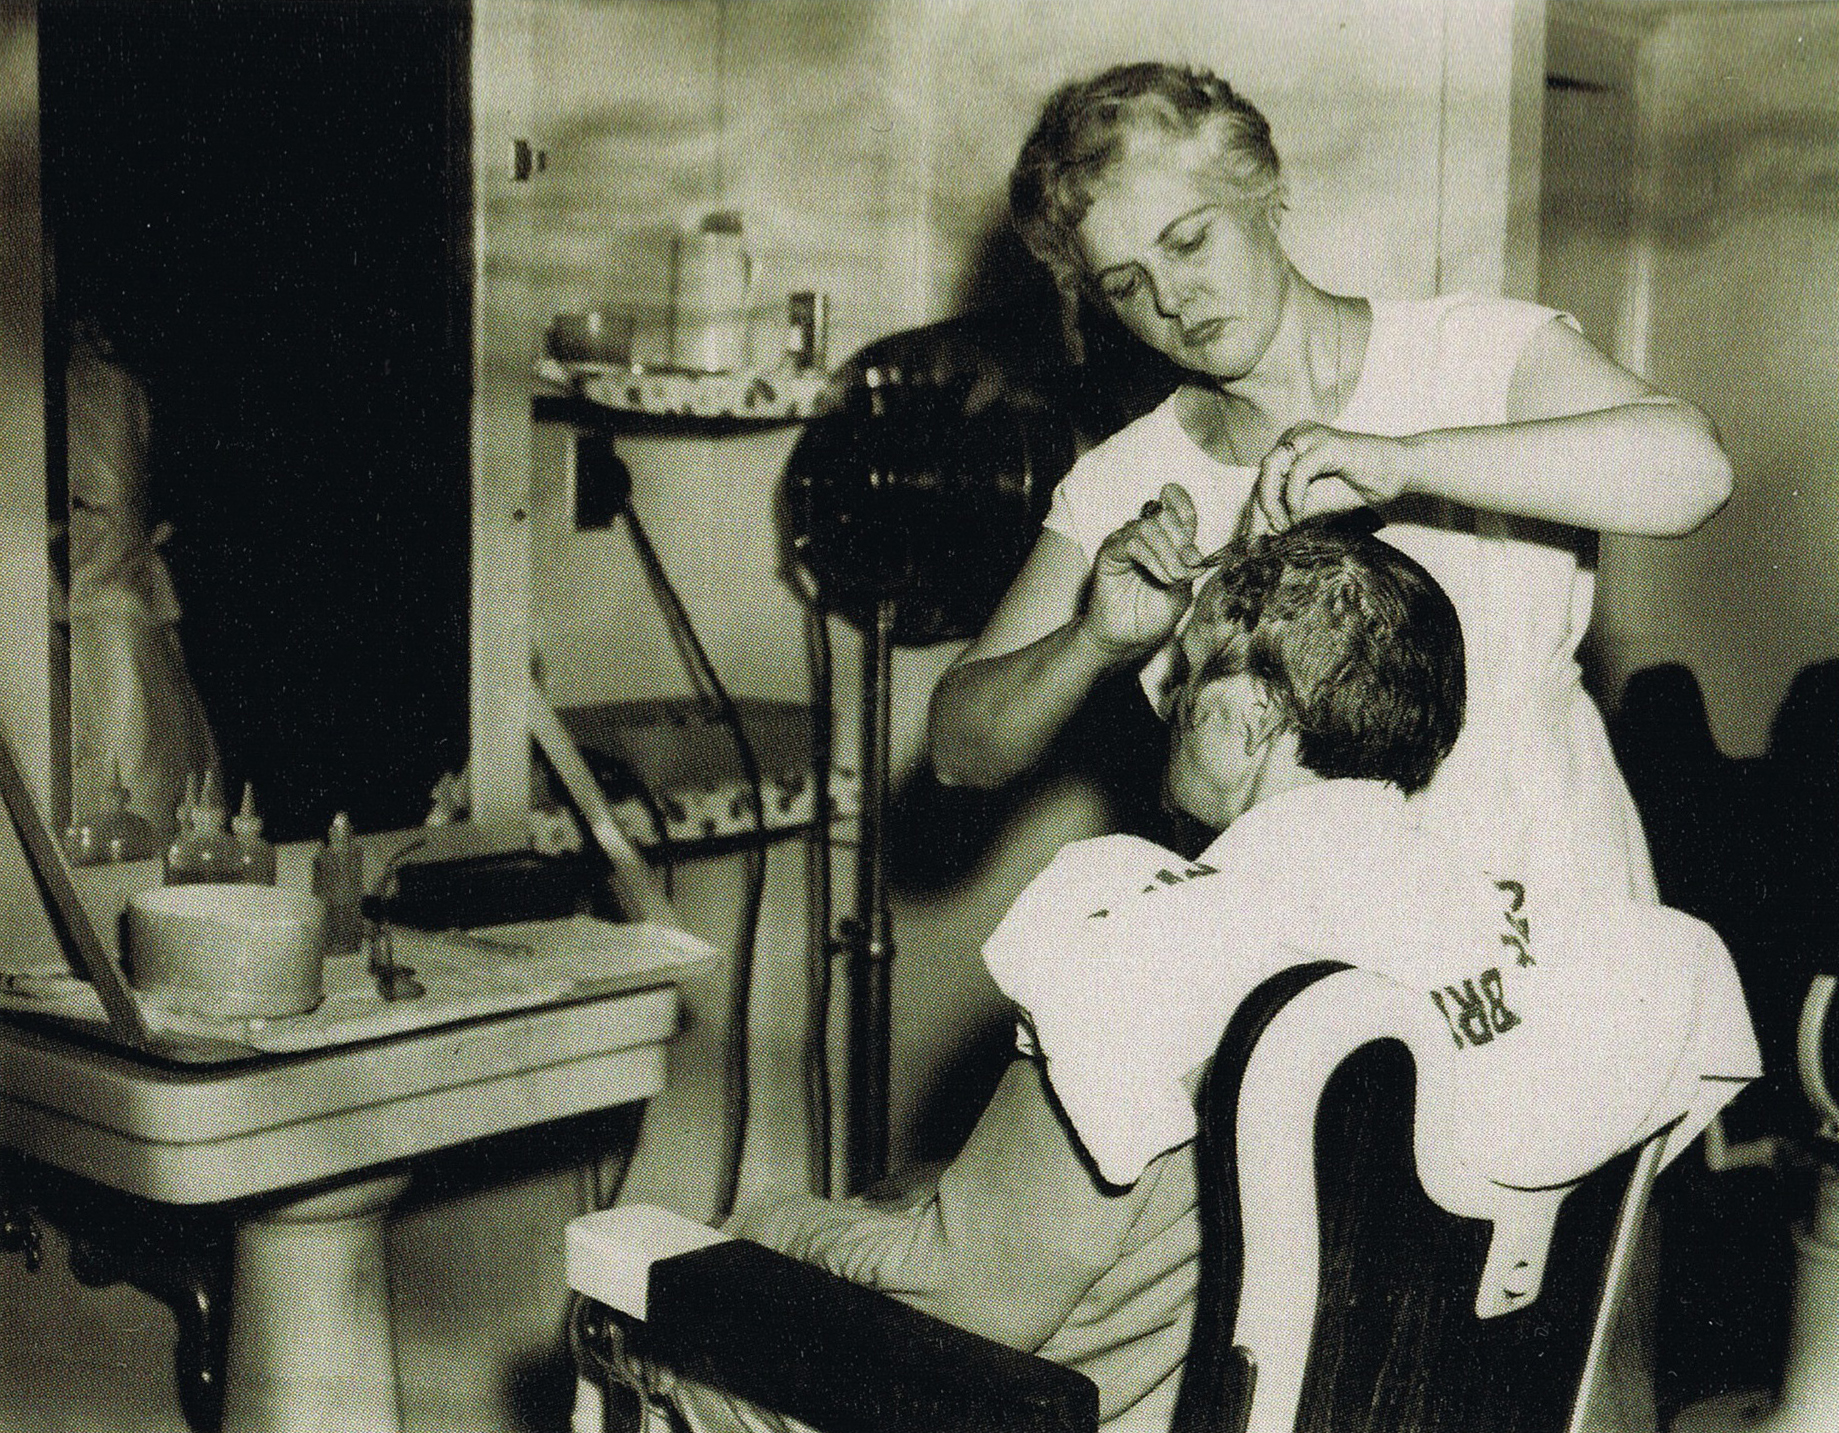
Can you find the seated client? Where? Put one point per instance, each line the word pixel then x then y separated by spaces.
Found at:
pixel 1319 685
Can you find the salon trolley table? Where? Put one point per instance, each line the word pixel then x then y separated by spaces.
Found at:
pixel 312 1147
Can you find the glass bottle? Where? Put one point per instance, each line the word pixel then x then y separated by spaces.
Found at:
pixel 204 850
pixel 255 854
pixel 338 880
pixel 111 834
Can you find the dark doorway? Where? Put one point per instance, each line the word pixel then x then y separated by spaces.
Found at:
pixel 267 204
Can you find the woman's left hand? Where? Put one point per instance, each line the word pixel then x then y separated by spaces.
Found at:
pixel 1316 469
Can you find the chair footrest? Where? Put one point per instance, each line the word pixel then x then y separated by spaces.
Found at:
pixel 611 1251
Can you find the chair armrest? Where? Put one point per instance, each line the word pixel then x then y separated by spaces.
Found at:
pixel 798 1340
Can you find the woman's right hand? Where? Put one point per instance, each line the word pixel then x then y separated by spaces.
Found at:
pixel 1143 577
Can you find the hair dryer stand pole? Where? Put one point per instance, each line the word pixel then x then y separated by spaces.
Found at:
pixel 868 936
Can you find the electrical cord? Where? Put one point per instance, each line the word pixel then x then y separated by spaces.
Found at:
pixel 818 1096
pixel 599 1180
pixel 737 1098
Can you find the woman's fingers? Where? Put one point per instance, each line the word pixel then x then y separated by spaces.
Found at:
pixel 1156 551
pixel 1144 574
pixel 1318 457
pixel 1183 522
pixel 1312 470
pixel 1160 540
pixel 1269 509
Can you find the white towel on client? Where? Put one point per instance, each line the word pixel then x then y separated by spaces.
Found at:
pixel 1573 1030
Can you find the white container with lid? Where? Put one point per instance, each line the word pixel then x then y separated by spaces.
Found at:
pixel 227 950
pixel 711 288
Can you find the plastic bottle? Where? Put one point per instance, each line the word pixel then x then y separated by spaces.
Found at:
pixel 255 854
pixel 182 815
pixel 338 880
pixel 204 850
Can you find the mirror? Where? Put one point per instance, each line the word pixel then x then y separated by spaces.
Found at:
pixel 257 219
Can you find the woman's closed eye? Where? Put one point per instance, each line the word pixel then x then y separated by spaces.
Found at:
pixel 1186 245
pixel 1188 235
pixel 1120 285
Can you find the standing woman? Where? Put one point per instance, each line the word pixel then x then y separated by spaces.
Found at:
pixel 1493 439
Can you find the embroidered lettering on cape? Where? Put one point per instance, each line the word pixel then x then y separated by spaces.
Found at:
pixel 1518 935
pixel 1166 877
pixel 1476 1010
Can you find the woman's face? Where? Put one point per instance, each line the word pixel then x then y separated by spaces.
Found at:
pixel 1186 260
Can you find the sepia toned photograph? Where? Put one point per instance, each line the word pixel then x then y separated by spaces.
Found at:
pixel 919 716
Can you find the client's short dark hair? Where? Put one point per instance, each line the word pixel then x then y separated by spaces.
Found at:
pixel 1357 642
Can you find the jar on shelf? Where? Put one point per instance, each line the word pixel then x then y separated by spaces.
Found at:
pixel 711 288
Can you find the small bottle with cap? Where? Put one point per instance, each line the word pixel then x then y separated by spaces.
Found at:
pixel 203 849
pixel 112 834
pixel 338 880
pixel 181 825
pixel 255 853
pixel 182 814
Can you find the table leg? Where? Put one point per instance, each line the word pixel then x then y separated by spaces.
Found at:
pixel 310 1345
pixel 179 1256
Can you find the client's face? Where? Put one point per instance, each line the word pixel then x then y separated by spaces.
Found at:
pixel 1218 741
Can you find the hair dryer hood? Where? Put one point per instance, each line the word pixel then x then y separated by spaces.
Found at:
pixel 901 495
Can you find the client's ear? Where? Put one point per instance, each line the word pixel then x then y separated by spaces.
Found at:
pixel 1264 718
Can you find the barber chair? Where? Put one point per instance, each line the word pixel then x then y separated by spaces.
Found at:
pixel 1353 1300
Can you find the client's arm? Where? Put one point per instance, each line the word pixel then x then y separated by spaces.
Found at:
pixel 1017 1232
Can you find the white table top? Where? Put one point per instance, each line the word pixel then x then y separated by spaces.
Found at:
pixel 195 1135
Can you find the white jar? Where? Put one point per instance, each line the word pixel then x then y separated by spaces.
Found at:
pixel 711 287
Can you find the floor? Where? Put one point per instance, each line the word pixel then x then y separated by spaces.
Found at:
pixel 75 1359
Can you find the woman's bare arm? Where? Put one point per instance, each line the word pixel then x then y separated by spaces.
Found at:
pixel 1058 630
pixel 1586 443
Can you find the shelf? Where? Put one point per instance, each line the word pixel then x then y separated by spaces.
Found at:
pixel 747 395
pixel 672 760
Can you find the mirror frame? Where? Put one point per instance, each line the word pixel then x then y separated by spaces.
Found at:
pixel 27 706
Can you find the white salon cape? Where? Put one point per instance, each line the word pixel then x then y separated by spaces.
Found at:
pixel 1576 1027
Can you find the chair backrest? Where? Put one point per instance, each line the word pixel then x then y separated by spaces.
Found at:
pixel 1335 1295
